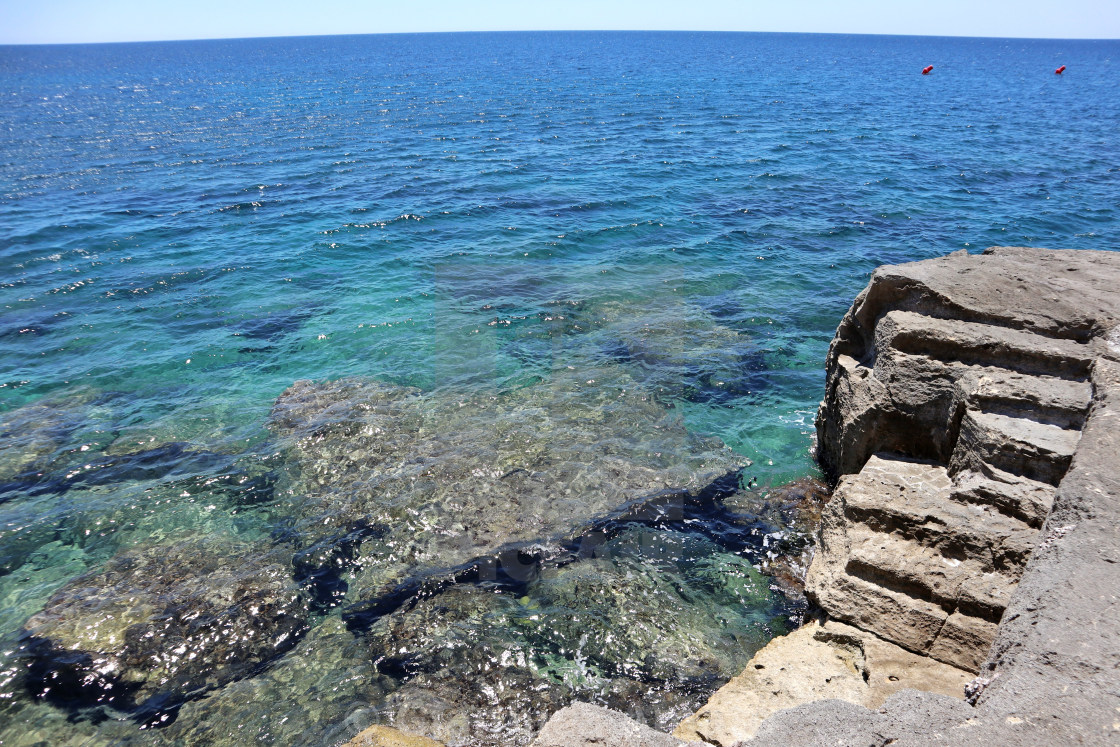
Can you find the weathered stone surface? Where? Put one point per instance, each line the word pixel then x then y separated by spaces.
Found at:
pixel 817 662
pixel 1021 446
pixel 585 725
pixel 906 497
pixel 945 319
pixel 163 624
pixel 898 558
pixel 1055 664
pixel 1015 496
pixel 946 418
pixel 1045 399
pixel 981 342
pixel 1028 342
pixel 826 723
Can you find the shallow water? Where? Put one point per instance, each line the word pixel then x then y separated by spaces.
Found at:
pixel 552 299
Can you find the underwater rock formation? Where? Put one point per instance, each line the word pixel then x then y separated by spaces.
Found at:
pixel 697 358
pixel 33 432
pixel 315 694
pixel 472 563
pixel 162 624
pixel 453 478
pixel 648 626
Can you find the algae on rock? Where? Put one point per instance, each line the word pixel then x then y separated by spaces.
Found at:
pixel 453 478
pixel 648 626
pixel 161 624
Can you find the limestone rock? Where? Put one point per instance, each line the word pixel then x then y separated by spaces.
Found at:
pixel 956 393
pixel 586 725
pixel 925 325
pixel 908 717
pixel 387 736
pixel 816 662
pixel 900 558
pixel 970 402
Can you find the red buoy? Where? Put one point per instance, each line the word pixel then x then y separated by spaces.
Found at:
pixel 926 70
pixel 1060 70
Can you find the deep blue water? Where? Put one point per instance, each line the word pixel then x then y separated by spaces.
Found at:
pixel 188 228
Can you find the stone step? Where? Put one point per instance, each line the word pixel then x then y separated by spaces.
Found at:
pixel 900 558
pixel 915 624
pixel 964 641
pixel 980 344
pixel 1021 446
pixel 986 595
pixel 912 499
pixel 1012 495
pixel 911 622
pixel 920 571
pixel 1045 399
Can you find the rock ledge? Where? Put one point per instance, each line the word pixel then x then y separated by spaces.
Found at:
pixel 971 421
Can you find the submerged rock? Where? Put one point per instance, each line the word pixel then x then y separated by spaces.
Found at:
pixel 649 625
pixel 33 433
pixel 319 693
pixel 658 607
pixel 679 349
pixel 145 465
pixel 465 677
pixel 484 655
pixel 455 478
pixel 793 510
pixel 159 625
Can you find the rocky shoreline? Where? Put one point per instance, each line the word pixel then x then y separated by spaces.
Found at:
pixel 464 567
pixel 966 577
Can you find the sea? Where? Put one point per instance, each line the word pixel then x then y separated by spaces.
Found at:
pixel 441 380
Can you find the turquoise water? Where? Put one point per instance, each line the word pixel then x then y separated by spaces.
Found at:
pixel 596 265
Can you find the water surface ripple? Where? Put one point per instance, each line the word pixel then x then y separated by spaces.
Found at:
pixel 437 379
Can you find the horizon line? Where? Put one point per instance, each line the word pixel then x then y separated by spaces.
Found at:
pixel 548 31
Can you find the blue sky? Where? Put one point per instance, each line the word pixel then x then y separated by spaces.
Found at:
pixel 45 21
